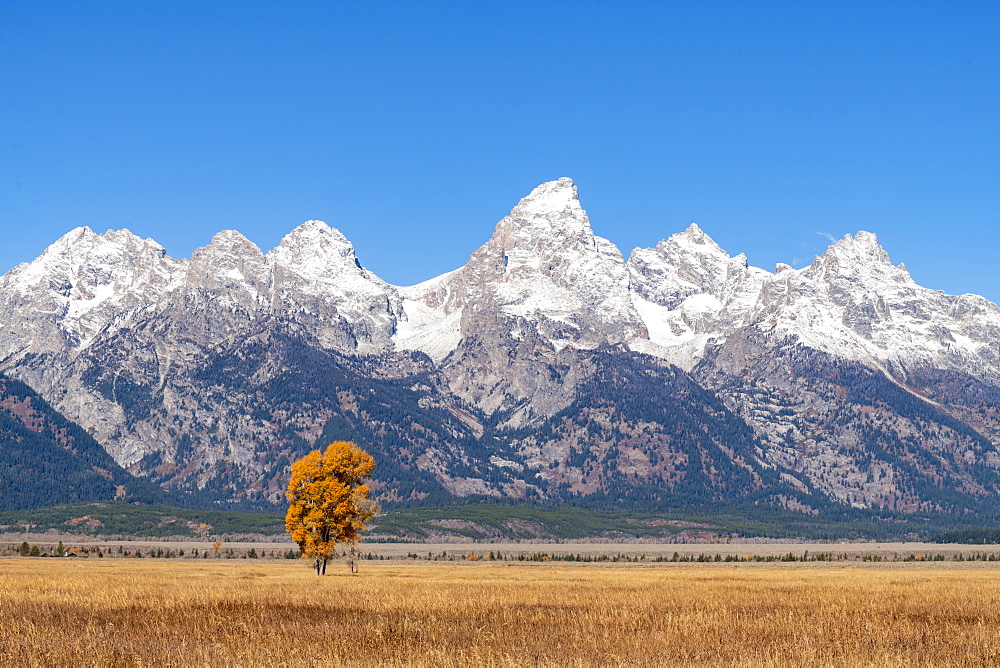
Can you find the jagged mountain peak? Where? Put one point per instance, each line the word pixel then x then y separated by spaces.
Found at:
pixel 227 247
pixel 318 280
pixel 858 258
pixel 79 285
pixel 230 238
pixel 690 292
pixel 125 235
pixel 81 232
pixel 692 240
pixel 547 241
pixel 314 238
pixel 550 197
pixel 217 364
pixel 862 248
pixel 82 256
pixel 314 249
pixel 78 235
pixel 695 235
pixel 684 264
pixel 543 264
pixel 81 241
pixel 550 213
pixel 315 232
pixel 852 302
pixel 232 264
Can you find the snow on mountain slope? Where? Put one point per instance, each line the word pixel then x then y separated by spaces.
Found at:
pixel 319 281
pixel 140 349
pixel 544 266
pixel 80 285
pixel 233 268
pixel 431 322
pixel 690 293
pixel 852 302
pixel 543 269
pixel 85 282
pixel 318 260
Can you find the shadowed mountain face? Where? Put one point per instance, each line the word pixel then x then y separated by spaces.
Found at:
pixel 548 367
pixel 46 459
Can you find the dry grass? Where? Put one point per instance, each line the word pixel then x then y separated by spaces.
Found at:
pixel 127 612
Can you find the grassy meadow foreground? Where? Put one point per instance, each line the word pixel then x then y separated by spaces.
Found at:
pixel 131 612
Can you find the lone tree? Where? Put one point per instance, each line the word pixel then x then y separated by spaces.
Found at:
pixel 329 501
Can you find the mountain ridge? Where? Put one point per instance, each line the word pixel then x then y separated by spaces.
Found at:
pixel 177 366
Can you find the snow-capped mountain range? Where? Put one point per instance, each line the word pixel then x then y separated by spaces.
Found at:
pixel 180 368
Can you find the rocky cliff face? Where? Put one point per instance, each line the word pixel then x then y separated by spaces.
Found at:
pixel 853 303
pixel 82 285
pixel 546 367
pixel 541 290
pixel 691 294
pixel 320 284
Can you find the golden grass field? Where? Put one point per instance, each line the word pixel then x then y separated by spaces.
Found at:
pixel 235 613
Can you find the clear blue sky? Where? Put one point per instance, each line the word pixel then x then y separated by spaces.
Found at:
pixel 415 126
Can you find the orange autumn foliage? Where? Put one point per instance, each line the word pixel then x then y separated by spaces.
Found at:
pixel 329 500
